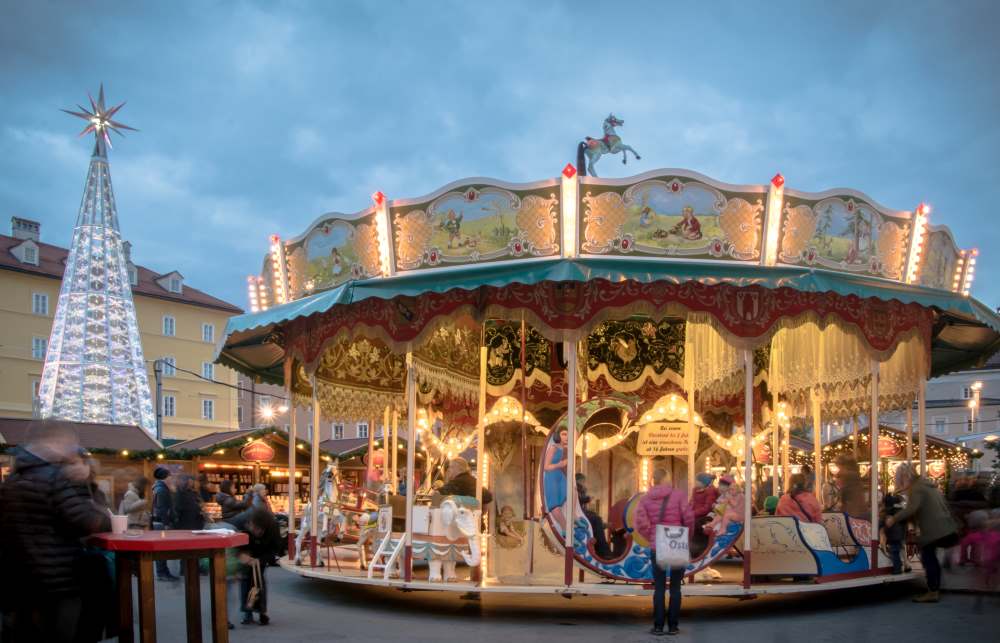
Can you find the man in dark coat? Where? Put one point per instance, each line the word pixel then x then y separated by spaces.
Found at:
pixel 462 483
pixel 164 516
pixel 44 514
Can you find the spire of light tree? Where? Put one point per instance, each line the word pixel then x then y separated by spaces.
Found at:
pixel 94 368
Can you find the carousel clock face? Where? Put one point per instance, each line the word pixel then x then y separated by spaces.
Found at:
pixel 633 561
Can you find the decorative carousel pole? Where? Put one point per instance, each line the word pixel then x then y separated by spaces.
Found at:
pixel 569 349
pixel 411 459
pixel 922 424
pixel 314 474
pixel 873 476
pixel 747 459
pixel 817 446
pixel 292 455
pixel 94 367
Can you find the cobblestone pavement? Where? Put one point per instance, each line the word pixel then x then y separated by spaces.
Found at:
pixel 312 610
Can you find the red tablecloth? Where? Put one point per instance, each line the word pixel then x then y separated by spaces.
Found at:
pixel 169 540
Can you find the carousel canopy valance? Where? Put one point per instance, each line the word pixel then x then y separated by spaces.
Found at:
pixel 564 295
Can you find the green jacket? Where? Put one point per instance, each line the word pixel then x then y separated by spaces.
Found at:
pixel 926 507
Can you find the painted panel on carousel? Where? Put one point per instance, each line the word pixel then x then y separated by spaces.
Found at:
pixel 629 560
pixel 673 215
pixel 503 358
pixel 843 232
pixel 335 249
pixel 476 222
pixel 940 259
pixel 630 352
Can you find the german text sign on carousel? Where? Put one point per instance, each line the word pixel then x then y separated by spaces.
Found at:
pixel 542 354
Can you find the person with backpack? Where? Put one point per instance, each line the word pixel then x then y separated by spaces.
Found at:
pixel 664 505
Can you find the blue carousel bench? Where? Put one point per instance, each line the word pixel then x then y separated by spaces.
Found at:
pixel 785 546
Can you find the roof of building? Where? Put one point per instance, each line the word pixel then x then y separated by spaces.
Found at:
pixel 210 440
pixel 342 446
pixel 52 264
pixel 92 436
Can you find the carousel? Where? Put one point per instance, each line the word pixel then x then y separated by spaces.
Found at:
pixel 528 355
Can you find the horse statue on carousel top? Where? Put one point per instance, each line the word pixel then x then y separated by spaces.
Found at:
pixel 591 149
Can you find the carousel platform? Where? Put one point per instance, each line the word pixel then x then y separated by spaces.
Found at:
pixel 728 587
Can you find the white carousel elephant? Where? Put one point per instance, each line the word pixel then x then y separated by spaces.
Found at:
pixel 455 528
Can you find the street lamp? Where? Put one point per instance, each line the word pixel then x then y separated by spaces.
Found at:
pixel 973 405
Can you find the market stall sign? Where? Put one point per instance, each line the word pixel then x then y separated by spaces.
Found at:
pixel 257 451
pixel 887 448
pixel 936 469
pixel 663 438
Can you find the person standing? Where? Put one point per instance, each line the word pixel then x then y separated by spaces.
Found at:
pixel 134 504
pixel 44 515
pixel 187 505
pixel 926 507
pixel 164 516
pixel 664 505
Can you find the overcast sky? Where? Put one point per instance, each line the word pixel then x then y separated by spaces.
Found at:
pixel 258 117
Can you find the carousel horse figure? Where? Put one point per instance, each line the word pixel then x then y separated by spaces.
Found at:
pixel 331 520
pixel 591 149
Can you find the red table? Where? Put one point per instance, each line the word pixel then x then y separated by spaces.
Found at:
pixel 137 551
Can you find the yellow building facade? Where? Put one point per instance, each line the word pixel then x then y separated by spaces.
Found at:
pixel 178 324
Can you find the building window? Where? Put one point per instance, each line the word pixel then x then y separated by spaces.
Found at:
pixel 39 303
pixel 939 426
pixel 362 429
pixel 966 393
pixel 38 346
pixel 208 409
pixel 169 366
pixel 133 275
pixel 31 255
pixel 34 390
pixel 969 425
pixel 239 415
pixel 208 370
pixel 169 326
pixel 175 284
pixel 338 431
pixel 169 406
pixel 208 333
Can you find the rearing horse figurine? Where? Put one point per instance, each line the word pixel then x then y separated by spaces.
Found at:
pixel 591 149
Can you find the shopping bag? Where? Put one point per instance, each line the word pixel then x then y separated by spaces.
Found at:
pixel 253 596
pixel 672 547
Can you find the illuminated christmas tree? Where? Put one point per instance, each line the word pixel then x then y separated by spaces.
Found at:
pixel 94 369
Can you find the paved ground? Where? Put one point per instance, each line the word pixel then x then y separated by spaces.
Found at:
pixel 306 610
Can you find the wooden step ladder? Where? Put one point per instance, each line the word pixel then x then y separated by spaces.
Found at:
pixel 386 556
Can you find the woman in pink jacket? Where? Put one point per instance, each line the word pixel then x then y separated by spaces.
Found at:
pixel 799 503
pixel 664 505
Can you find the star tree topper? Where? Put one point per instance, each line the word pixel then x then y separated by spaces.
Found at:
pixel 99 121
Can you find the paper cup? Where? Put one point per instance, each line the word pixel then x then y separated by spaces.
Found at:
pixel 119 524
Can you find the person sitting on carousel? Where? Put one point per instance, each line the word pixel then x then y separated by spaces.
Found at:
pixel 461 482
pixel 601 547
pixel 798 502
pixel 703 499
pixel 729 507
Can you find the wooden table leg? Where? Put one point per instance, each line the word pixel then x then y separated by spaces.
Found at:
pixel 123 567
pixel 192 599
pixel 147 599
pixel 217 580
